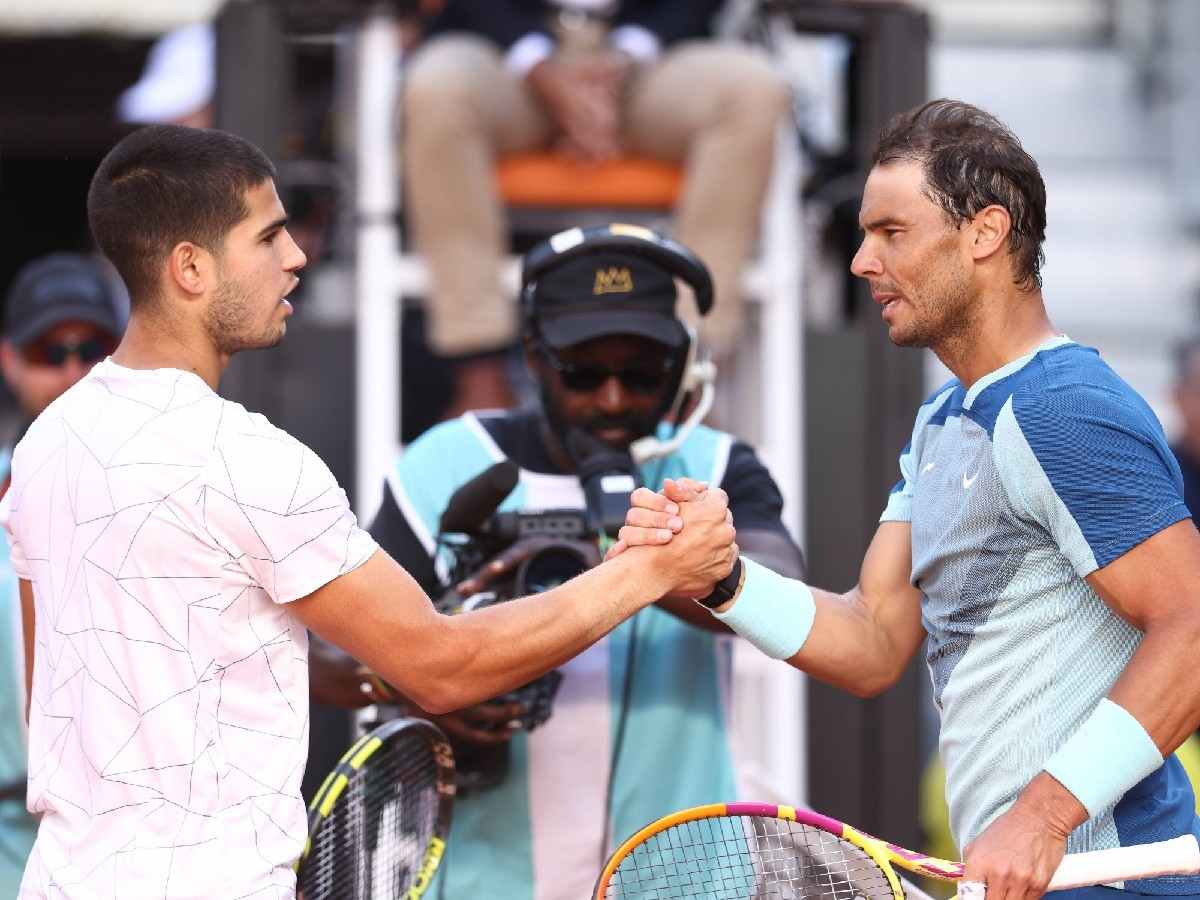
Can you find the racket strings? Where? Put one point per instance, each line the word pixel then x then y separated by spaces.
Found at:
pixel 374 839
pixel 747 858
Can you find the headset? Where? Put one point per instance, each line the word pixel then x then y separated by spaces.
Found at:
pixel 697 372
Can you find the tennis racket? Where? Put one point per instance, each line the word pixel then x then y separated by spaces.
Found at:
pixel 377 826
pixel 748 851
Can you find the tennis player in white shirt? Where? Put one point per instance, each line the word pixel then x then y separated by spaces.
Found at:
pixel 173 548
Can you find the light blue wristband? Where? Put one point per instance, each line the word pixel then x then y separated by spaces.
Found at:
pixel 773 613
pixel 1108 755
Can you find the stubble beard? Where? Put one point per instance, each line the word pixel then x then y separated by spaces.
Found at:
pixel 943 316
pixel 230 322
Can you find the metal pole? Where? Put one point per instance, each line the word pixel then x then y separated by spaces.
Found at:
pixel 782 417
pixel 377 324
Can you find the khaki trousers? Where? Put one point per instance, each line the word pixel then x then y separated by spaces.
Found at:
pixel 712 107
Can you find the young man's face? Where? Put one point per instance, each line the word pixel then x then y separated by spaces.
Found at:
pixel 42 369
pixel 915 259
pixel 257 267
pixel 610 386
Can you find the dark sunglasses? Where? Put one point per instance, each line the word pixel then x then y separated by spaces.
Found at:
pixel 586 377
pixel 55 353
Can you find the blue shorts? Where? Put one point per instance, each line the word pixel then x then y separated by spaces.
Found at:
pixel 1107 893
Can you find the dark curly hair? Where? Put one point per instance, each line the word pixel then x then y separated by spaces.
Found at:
pixel 971 161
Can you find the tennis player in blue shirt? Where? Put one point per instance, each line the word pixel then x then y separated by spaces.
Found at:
pixel 1037 535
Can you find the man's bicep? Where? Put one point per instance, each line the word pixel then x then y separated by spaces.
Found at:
pixel 862 640
pixel 886 589
pixel 377 613
pixel 1160 577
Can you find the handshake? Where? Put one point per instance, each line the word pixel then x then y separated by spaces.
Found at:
pixel 691 560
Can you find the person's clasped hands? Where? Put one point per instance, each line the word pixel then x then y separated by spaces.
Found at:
pixel 659 520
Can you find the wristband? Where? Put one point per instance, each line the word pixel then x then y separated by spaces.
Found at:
pixel 727 588
pixel 773 613
pixel 1108 755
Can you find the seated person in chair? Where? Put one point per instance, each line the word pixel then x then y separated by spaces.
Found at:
pixel 639 726
pixel 596 80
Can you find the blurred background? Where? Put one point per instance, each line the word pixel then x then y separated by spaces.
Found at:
pixel 1105 94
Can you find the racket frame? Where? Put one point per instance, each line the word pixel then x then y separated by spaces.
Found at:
pixel 352 761
pixel 1177 856
pixel 872 847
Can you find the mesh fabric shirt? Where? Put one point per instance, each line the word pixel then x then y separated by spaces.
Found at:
pixel 1018 488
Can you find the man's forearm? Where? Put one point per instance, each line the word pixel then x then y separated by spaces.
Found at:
pixel 476 656
pixel 851 649
pixel 1159 687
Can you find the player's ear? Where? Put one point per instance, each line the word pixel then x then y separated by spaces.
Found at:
pixel 190 268
pixel 989 231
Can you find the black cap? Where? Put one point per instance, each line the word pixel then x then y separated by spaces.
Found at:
pixel 62 287
pixel 603 294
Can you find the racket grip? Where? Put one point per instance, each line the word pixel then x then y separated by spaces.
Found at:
pixel 972 890
pixel 1178 856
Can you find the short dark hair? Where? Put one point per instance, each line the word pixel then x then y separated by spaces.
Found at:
pixel 168 183
pixel 971 161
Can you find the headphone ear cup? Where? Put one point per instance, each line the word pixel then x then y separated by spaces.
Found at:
pixel 684 381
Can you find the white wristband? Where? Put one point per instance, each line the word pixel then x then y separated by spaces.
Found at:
pixel 773 613
pixel 1108 755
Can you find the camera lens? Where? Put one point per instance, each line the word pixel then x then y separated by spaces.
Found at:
pixel 548 569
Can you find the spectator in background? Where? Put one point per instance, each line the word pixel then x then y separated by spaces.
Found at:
pixel 1187 401
pixel 596 79
pixel 178 82
pixel 64 313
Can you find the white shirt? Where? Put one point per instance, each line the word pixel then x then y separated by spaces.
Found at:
pixel 163 528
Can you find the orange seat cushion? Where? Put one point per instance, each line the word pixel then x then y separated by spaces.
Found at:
pixel 555 180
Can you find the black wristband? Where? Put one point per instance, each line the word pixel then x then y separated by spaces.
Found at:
pixel 725 589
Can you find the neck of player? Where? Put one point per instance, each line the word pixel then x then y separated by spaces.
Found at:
pixel 150 344
pixel 1006 325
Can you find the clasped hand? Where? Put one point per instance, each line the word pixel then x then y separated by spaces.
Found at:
pixel 692 528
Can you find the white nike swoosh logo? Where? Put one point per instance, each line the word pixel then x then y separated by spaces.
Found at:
pixel 967 482
pixel 928 468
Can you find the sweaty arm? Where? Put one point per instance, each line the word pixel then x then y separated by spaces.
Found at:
pixel 1155 587
pixel 382 617
pixel 860 640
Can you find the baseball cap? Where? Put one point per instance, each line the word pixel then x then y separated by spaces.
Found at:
pixel 61 287
pixel 603 294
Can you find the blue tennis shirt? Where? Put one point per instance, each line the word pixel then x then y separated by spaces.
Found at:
pixel 1042 472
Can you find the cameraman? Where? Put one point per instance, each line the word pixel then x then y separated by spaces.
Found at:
pixel 639 724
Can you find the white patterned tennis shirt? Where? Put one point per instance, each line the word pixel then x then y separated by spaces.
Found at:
pixel 164 530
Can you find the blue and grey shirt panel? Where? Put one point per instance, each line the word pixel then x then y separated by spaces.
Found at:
pixel 1017 489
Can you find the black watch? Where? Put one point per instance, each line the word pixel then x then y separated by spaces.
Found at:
pixel 725 589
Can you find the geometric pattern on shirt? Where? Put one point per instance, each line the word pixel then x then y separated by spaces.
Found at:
pixel 164 527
